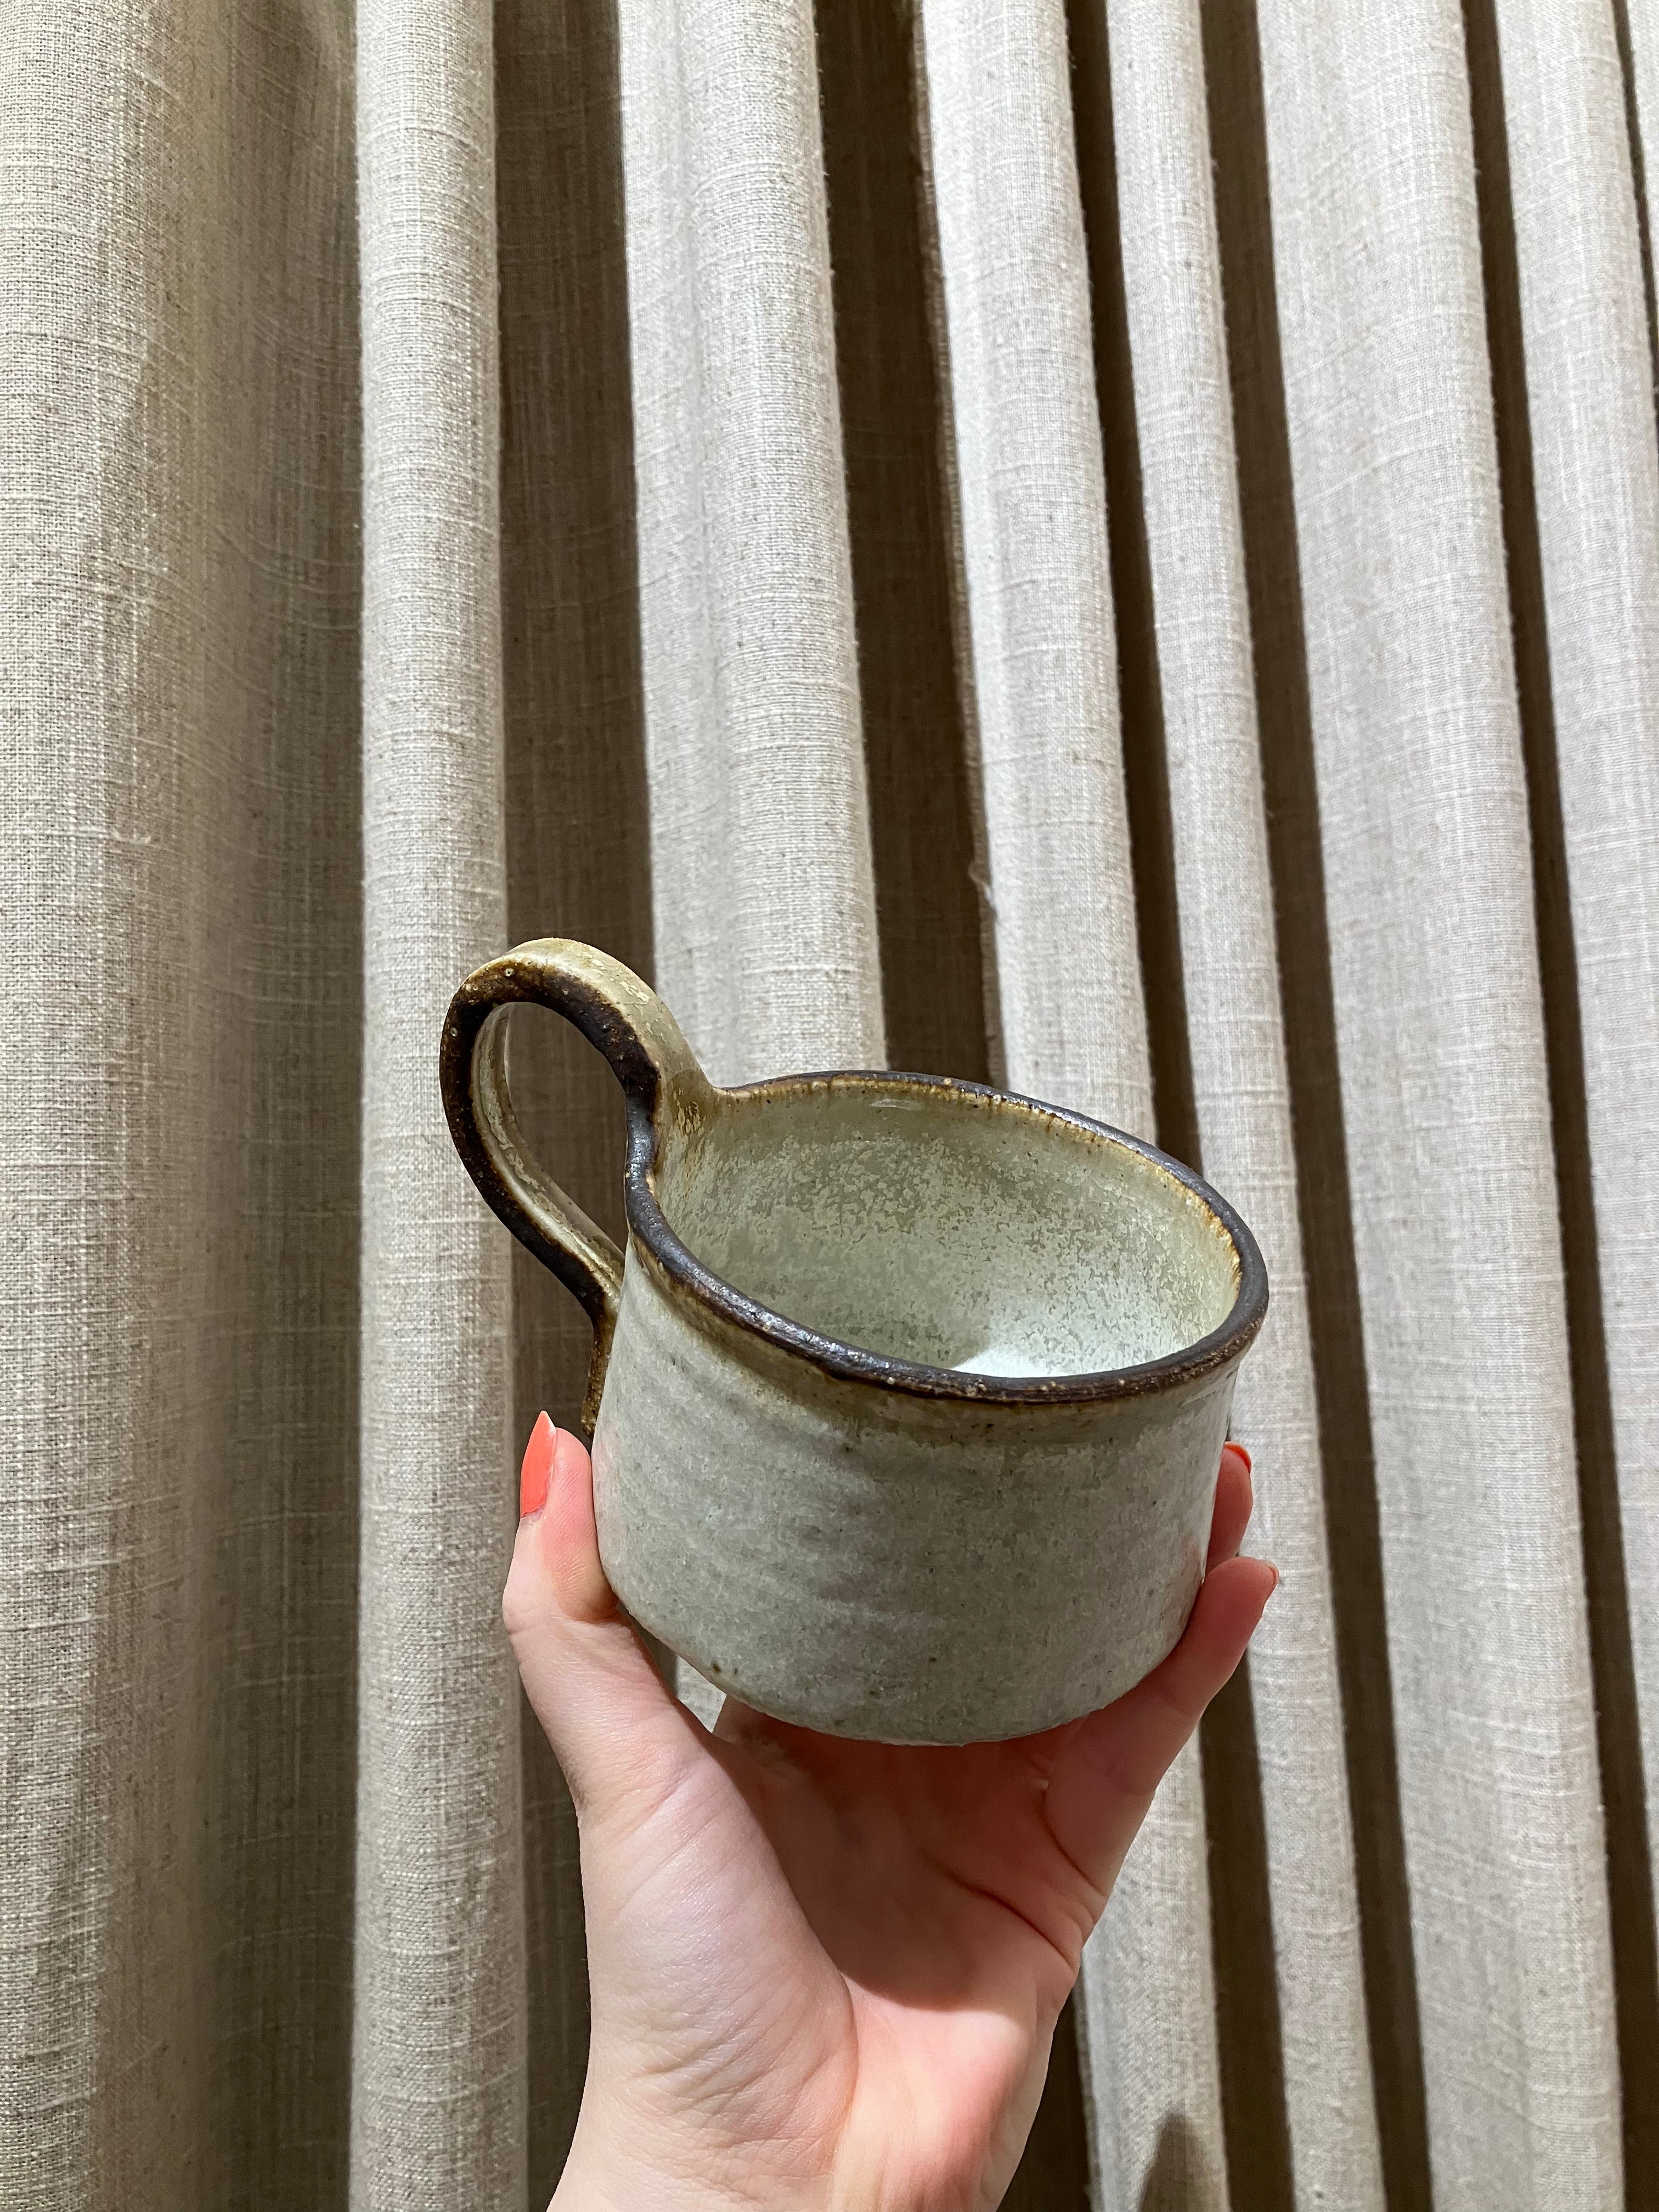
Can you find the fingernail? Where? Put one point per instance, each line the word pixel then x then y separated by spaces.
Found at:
pixel 537 1467
pixel 1234 1445
pixel 1277 1578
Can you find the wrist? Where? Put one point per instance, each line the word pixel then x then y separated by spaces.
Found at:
pixel 603 2177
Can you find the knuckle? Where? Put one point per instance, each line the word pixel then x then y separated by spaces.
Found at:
pixel 527 1602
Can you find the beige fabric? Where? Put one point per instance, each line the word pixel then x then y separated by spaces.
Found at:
pixel 1435 970
pixel 181 962
pixel 1039 614
pixel 466 475
pixel 1590 399
pixel 1224 899
pixel 1034 525
pixel 764 898
pixel 438 2051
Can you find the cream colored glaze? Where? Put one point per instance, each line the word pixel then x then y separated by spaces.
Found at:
pixel 875 1564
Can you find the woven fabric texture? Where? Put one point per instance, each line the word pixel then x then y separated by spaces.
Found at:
pixel 1105 548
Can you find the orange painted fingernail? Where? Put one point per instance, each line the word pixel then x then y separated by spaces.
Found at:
pixel 536 1468
pixel 1234 1445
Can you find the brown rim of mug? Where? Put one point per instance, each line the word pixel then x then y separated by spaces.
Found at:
pixel 593 1273
pixel 848 1363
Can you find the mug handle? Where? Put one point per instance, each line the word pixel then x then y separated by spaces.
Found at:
pixel 649 1057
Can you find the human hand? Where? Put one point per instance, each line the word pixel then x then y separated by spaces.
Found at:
pixel 826 1974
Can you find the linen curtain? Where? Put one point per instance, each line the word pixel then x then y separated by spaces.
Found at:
pixel 1109 548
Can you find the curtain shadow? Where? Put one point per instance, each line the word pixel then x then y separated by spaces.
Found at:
pixel 1053 2173
pixel 899 520
pixel 1248 2029
pixel 1140 688
pixel 1618 1724
pixel 1177 2178
pixel 578 816
pixel 1239 148
pixel 1639 179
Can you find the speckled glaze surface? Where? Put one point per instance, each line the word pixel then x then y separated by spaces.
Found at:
pixel 908 1400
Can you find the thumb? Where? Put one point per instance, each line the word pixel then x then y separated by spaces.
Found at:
pixel 624 1741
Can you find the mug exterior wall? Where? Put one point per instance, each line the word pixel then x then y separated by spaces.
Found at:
pixel 871 1563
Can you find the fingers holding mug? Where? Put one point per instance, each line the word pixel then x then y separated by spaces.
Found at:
pixel 1113 1762
pixel 617 1732
pixel 1234 1501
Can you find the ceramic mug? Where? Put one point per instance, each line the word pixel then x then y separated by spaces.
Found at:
pixel 908 1398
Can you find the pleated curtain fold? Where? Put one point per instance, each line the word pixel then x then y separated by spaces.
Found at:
pixel 1107 549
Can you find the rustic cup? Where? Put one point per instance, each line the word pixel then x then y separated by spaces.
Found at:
pixel 908 1397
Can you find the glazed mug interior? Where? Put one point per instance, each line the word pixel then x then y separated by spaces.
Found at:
pixel 948 1227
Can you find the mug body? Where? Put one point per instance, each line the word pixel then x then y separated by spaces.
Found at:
pixel 815 1477
pixel 872 1563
